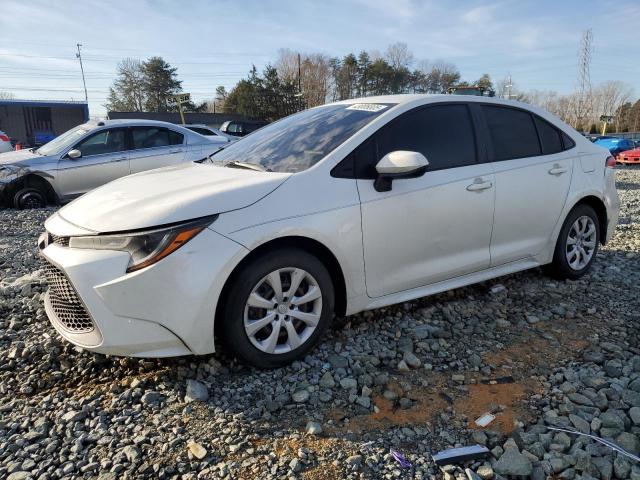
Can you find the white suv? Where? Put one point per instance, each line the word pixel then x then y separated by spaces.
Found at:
pixel 335 210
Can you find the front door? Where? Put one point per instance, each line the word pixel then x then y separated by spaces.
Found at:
pixel 434 227
pixel 155 147
pixel 104 157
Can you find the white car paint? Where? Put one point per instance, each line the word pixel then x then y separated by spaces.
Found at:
pixel 445 229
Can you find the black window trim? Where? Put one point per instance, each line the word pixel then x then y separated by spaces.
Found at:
pixel 347 164
pixel 489 142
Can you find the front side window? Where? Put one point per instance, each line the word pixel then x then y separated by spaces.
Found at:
pixel 153 137
pixel 106 141
pixel 512 132
pixel 299 141
pixel 442 133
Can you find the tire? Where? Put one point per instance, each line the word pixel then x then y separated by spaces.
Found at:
pixel 29 197
pixel 561 267
pixel 256 343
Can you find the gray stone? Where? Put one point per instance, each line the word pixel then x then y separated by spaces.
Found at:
pixel 313 428
pixel 152 398
pixel 634 413
pixel 513 463
pixel 621 467
pixel 354 460
pixel 338 361
pixel 411 360
pixel 349 383
pixel 327 380
pixel 580 423
pixel 629 442
pixel 132 453
pixel 196 391
pixel 612 420
pixel 300 396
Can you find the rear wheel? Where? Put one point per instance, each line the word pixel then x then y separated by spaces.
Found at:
pixel 277 308
pixel 577 244
pixel 29 197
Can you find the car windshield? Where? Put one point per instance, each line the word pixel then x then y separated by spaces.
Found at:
pixel 299 141
pixel 63 141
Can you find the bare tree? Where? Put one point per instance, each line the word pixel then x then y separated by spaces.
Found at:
pixel 398 55
pixel 6 95
pixel 314 70
pixel 610 96
pixel 128 91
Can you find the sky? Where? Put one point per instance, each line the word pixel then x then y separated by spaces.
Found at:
pixel 215 43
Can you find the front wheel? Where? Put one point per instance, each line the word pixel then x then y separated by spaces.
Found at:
pixel 277 308
pixel 27 198
pixel 577 244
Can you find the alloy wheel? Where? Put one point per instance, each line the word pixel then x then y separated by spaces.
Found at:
pixel 581 243
pixel 283 310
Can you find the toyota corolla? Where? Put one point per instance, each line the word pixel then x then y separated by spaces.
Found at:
pixel 331 211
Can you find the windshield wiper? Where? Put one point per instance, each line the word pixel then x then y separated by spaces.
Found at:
pixel 247 166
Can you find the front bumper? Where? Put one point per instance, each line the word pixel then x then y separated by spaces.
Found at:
pixel 164 310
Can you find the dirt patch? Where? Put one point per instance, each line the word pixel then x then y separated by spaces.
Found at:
pixel 504 400
pixel 427 402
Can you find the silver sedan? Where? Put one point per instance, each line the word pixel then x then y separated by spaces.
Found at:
pixel 93 154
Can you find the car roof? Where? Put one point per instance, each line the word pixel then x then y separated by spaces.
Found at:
pixel 124 122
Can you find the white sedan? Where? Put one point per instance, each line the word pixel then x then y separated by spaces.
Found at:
pixel 335 210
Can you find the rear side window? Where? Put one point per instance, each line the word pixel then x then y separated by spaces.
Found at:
pixel 202 131
pixel 442 133
pixel 550 137
pixel 152 137
pixel 567 141
pixel 512 133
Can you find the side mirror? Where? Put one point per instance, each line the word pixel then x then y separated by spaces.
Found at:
pixel 397 165
pixel 73 154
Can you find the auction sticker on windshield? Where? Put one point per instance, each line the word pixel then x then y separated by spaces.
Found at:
pixel 367 107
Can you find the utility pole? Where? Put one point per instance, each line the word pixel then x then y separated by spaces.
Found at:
pixel 79 56
pixel 584 104
pixel 299 76
pixel 509 86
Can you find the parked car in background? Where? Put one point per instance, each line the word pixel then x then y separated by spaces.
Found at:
pixel 5 143
pixel 629 156
pixel 338 209
pixel 210 132
pixel 240 128
pixel 615 145
pixel 93 154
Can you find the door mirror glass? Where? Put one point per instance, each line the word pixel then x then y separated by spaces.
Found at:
pixel 73 154
pixel 397 165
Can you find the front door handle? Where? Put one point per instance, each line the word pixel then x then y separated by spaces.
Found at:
pixel 478 186
pixel 557 170
pixel 120 159
pixel 175 151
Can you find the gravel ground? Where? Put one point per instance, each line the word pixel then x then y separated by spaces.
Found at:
pixel 410 378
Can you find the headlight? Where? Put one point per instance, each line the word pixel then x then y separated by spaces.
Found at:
pixel 145 247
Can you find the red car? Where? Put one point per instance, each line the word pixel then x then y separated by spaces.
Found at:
pixel 629 156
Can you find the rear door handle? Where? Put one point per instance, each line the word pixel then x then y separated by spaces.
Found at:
pixel 557 170
pixel 175 151
pixel 478 186
pixel 120 159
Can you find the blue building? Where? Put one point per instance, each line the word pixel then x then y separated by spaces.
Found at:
pixel 34 122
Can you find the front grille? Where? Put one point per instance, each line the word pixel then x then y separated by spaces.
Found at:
pixel 58 240
pixel 67 306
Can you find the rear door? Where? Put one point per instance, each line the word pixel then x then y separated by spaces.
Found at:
pixel 104 158
pixel 155 147
pixel 533 174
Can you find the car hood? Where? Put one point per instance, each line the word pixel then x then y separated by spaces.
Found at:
pixel 168 195
pixel 18 157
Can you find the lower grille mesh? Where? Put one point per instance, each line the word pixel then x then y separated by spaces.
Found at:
pixel 65 302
